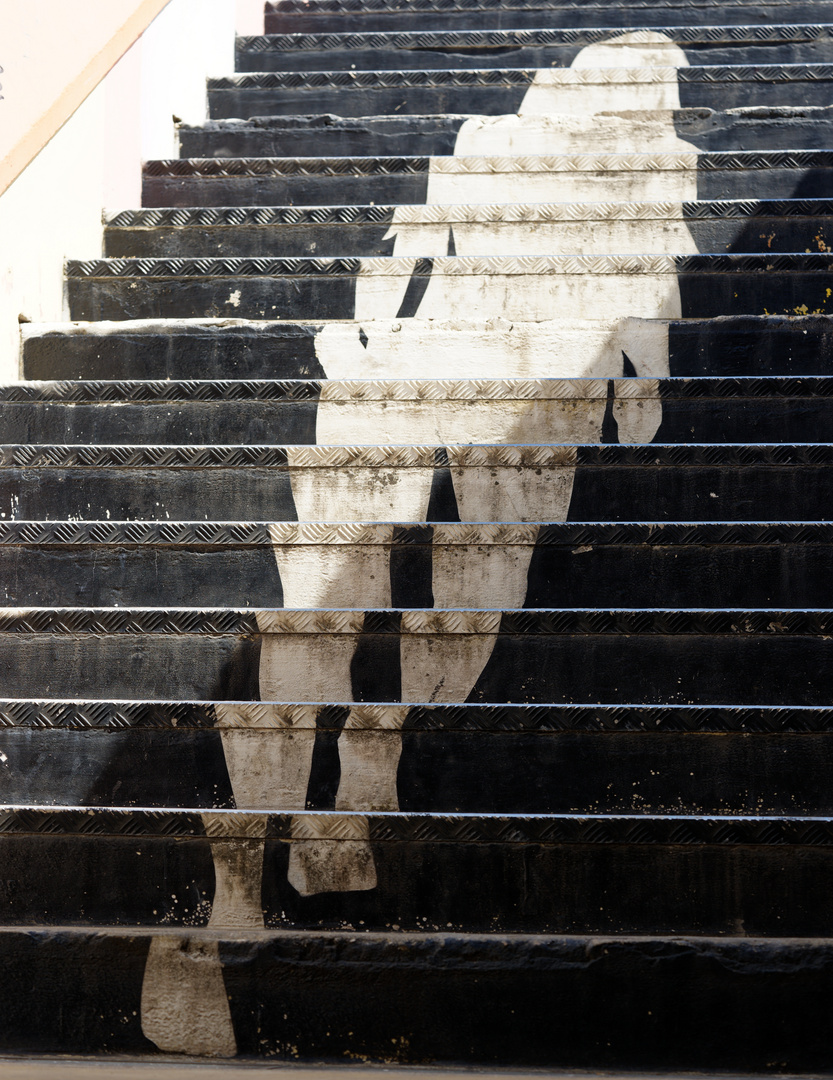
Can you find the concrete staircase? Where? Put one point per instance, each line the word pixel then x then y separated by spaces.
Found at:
pixel 417 635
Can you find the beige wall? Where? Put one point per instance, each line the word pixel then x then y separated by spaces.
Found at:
pixel 54 54
pixel 53 210
pixel 250 17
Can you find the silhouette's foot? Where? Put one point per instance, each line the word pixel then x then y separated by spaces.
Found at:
pixel 185 1008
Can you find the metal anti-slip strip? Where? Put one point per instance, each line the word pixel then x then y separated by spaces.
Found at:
pixel 566 455
pixel 464 213
pixel 593 830
pixel 445 39
pixel 106 622
pixel 242 534
pixel 449 266
pixel 229 168
pixel 424 391
pixel 465 78
pixel 358 7
pixel 269 717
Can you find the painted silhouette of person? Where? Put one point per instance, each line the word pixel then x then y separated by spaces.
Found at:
pixel 624 111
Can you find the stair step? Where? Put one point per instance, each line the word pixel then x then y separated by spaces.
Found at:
pixel 702 410
pixel 105 563
pixel 780 127
pixel 655 482
pixel 790 225
pixel 310 995
pixel 317 16
pixel 753 657
pixel 543 874
pixel 237 349
pixel 481 759
pixel 785 43
pixel 778 174
pixel 523 287
pixel 502 91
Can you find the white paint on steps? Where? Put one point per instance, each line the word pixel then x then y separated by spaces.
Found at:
pixel 185 1009
pixel 544 238
pixel 340 862
pixel 560 114
pixel 238 872
pixel 423 349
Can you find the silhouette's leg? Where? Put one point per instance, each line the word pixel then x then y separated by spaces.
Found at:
pixel 185 1008
pixel 488 576
pixel 317 667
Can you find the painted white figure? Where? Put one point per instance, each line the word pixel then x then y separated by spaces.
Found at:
pixel 551 115
pixel 555 118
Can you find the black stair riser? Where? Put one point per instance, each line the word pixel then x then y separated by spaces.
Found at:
pixel 395 188
pixel 243 102
pixel 764 420
pixel 774 668
pixel 631 575
pixel 182 422
pixel 703 295
pixel 311 135
pixel 549 16
pixel 670 1003
pixel 733 346
pixel 750 129
pixel 445 772
pixel 600 493
pixel 203 352
pixel 427 51
pixel 540 889
pixel 760 233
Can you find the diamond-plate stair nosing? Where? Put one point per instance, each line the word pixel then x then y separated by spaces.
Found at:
pixel 398 456
pixel 427 391
pixel 471 213
pixel 392 827
pixel 173 621
pixel 247 534
pixel 731 160
pixel 254 266
pixel 444 39
pixel 511 77
pixel 264 716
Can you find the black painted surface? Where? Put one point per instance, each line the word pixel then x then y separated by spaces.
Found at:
pixel 192 352
pixel 429 50
pixel 533 888
pixel 519 772
pixel 751 346
pixel 602 492
pixel 267 136
pixel 669 1002
pixel 766 180
pixel 147 494
pixel 356 17
pixel 332 296
pixel 251 95
pixel 762 128
pixel 760 232
pixel 734 573
pixel 726 346
pixel 776 667
pixel 185 422
pixel 161 575
pixel 267 190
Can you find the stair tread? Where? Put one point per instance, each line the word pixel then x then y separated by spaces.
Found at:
pixel 136 391
pixel 402 163
pixel 731 33
pixel 51 714
pixel 430 213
